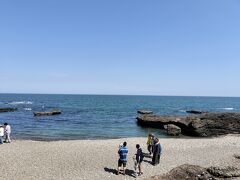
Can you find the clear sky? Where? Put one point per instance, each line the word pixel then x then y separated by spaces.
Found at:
pixel 156 47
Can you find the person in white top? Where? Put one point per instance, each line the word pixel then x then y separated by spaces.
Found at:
pixel 1 134
pixel 8 132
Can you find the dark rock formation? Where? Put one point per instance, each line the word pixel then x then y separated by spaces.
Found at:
pixel 195 112
pixel 205 125
pixel 159 121
pixel 144 112
pixel 7 109
pixel 50 113
pixel 173 130
pixel 185 171
pixel 224 172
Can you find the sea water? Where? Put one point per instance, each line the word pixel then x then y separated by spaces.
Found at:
pixel 98 116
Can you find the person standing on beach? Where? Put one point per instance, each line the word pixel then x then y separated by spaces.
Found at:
pixel 7 132
pixel 153 141
pixel 156 152
pixel 150 144
pixel 1 134
pixel 123 151
pixel 139 159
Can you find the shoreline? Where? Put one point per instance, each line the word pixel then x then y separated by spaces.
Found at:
pixel 99 139
pixel 97 159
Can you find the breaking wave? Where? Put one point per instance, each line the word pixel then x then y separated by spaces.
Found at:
pixel 19 102
pixel 182 110
pixel 27 109
pixel 229 109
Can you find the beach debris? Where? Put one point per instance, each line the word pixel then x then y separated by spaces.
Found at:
pixel 224 172
pixel 47 113
pixel 7 109
pixel 142 111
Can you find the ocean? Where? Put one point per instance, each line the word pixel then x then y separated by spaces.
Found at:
pixel 98 116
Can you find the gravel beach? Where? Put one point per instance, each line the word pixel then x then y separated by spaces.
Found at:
pixel 97 159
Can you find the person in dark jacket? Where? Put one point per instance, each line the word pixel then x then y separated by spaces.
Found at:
pixel 153 142
pixel 156 152
pixel 139 159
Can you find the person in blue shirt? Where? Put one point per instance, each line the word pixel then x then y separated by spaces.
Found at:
pixel 123 151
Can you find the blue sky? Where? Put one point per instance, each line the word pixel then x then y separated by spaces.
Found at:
pixel 120 47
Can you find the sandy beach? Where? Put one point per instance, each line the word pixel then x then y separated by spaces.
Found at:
pixel 97 159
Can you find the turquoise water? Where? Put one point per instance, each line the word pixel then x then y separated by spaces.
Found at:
pixel 97 116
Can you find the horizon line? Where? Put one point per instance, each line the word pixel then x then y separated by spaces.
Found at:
pixel 93 94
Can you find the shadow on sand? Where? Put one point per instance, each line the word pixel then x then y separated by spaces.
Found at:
pixel 147 161
pixel 128 172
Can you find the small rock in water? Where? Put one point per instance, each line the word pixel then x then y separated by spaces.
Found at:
pixel 144 112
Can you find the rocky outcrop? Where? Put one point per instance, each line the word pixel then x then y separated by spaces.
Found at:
pixel 173 130
pixel 142 111
pixel 205 125
pixel 156 121
pixel 185 171
pixel 50 113
pixel 7 109
pixel 224 172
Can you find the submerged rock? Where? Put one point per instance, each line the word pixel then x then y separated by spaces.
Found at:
pixel 7 109
pixel 50 113
pixel 195 112
pixel 205 125
pixel 144 112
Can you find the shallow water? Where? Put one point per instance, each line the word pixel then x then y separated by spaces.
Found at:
pixel 97 116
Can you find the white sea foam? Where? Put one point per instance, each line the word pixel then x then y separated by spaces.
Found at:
pixel 27 109
pixel 182 110
pixel 229 109
pixel 19 102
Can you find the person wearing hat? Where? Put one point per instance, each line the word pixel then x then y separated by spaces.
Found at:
pixel 1 134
